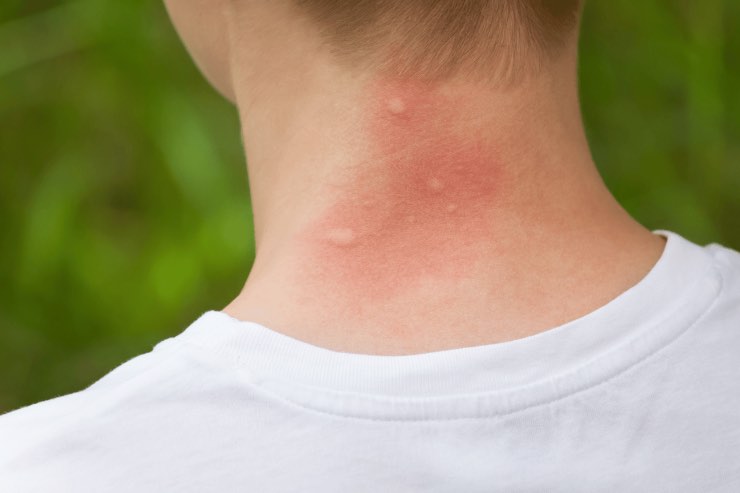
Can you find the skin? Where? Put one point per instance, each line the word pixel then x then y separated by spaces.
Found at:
pixel 428 181
pixel 400 216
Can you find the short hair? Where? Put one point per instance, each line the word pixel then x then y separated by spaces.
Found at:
pixel 437 38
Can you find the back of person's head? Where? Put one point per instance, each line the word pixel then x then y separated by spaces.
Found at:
pixel 437 38
pixel 492 40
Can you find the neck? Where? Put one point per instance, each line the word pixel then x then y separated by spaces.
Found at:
pixel 396 216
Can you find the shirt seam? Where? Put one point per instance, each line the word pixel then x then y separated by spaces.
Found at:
pixel 494 415
pixel 197 352
pixel 718 285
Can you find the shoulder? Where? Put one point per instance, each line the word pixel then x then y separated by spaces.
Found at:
pixel 39 443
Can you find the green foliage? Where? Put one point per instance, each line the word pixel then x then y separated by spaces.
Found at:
pixel 122 181
pixel 660 98
pixel 122 177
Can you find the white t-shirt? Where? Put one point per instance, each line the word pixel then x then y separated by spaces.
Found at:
pixel 641 395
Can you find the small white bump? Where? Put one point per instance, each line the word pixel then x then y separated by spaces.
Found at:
pixel 396 106
pixel 435 184
pixel 341 236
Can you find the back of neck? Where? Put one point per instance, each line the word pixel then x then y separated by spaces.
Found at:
pixel 399 216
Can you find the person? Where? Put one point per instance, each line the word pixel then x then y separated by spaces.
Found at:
pixel 445 296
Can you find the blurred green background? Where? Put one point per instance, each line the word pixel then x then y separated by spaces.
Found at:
pixel 123 196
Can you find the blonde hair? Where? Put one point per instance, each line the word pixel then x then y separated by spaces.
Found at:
pixel 437 38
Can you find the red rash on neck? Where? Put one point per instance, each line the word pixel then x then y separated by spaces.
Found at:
pixel 415 207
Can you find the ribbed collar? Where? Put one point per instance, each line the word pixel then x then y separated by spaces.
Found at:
pixel 474 381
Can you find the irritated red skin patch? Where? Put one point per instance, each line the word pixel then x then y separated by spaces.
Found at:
pixel 415 208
